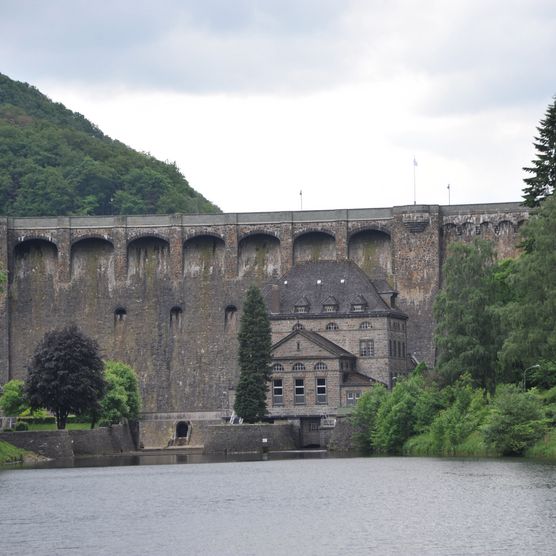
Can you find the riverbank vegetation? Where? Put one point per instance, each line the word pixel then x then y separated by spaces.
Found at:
pixel 10 454
pixel 493 390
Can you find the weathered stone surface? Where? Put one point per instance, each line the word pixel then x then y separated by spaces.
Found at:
pixel 164 293
pixel 249 438
pixel 69 443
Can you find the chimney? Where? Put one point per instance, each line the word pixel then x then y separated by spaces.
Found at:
pixel 275 299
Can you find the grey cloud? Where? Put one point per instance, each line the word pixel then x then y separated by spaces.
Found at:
pixel 476 53
pixel 209 46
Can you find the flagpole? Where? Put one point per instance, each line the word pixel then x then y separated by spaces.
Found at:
pixel 301 199
pixel 449 194
pixel 414 181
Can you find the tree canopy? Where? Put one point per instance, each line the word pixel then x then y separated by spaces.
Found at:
pixel 122 399
pixel 254 358
pixel 467 332
pixel 66 375
pixel 55 162
pixel 13 401
pixel 542 181
pixel 529 318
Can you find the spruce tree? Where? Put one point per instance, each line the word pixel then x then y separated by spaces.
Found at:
pixel 543 170
pixel 254 358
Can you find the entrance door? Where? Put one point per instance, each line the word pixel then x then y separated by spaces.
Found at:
pixel 310 432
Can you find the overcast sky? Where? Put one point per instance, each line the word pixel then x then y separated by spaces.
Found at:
pixel 257 100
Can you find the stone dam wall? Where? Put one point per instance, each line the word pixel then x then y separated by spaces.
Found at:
pixel 164 293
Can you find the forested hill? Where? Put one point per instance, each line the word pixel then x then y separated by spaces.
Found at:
pixel 55 162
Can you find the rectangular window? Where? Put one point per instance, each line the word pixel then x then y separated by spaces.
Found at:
pixel 352 397
pixel 299 398
pixel 321 391
pixel 366 348
pixel 390 348
pixel 277 392
pixel 301 309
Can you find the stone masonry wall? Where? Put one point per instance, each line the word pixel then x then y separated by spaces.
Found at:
pixel 69 443
pixel 165 293
pixel 249 438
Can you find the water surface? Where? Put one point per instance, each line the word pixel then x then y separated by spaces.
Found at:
pixel 317 505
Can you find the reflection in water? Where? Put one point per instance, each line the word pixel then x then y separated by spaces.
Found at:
pixel 313 504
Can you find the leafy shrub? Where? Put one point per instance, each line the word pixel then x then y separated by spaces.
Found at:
pixel 21 426
pixel 515 422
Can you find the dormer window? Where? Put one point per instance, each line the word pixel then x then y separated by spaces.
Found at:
pixel 302 306
pixel 330 305
pixel 358 304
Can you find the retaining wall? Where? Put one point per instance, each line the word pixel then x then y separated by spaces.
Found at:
pixel 249 438
pixel 70 443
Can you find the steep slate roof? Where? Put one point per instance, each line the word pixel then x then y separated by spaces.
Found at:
pixel 342 280
pixel 317 339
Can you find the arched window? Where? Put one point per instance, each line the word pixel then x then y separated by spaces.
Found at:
pixel 298 367
pixel 297 326
pixel 331 326
pixel 320 366
pixel 175 317
pixel 365 325
pixel 230 315
pixel 119 314
pixel 277 367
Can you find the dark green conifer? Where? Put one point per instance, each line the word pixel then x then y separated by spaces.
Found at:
pixel 254 358
pixel 543 170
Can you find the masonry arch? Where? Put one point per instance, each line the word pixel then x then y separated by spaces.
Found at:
pixel 148 256
pixel 314 246
pixel 371 250
pixel 92 260
pixel 35 257
pixel 203 255
pixel 259 254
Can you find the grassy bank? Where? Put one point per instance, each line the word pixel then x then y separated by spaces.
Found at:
pixel 52 426
pixel 544 448
pixel 9 453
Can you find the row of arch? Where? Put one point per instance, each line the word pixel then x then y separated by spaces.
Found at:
pixel 205 254
pixel 484 228
pixel 331 326
pixel 319 366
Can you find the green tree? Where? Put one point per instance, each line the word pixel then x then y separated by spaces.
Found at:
pixel 363 417
pixel 122 399
pixel 65 375
pixel 468 330
pixel 254 358
pixel 406 411
pixel 515 422
pixel 529 320
pixel 543 170
pixel 13 401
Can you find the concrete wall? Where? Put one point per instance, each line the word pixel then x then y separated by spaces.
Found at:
pixel 70 443
pixel 155 291
pixel 249 438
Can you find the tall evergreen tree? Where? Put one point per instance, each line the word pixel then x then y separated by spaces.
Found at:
pixel 543 169
pixel 254 358
pixel 530 317
pixel 467 331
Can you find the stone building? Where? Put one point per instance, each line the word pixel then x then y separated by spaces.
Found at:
pixel 335 333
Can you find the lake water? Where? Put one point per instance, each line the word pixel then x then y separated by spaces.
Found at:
pixel 315 505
